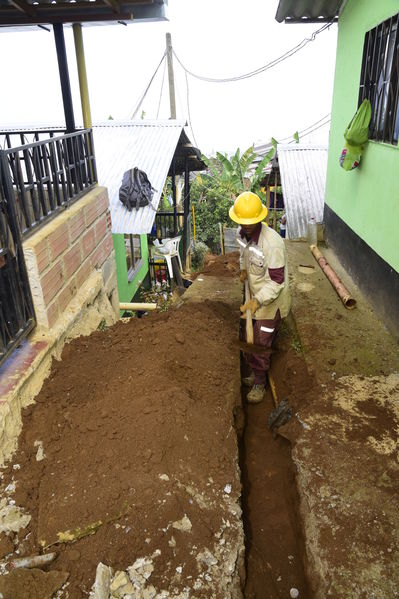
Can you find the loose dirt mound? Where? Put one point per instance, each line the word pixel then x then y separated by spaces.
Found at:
pixel 221 266
pixel 135 424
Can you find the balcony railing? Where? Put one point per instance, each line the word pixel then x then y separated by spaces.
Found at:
pixel 46 175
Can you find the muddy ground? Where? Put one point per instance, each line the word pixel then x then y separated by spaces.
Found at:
pixel 132 439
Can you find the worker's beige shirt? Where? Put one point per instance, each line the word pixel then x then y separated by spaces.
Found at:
pixel 257 259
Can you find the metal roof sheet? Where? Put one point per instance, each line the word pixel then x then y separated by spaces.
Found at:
pixel 307 11
pixel 122 145
pixel 303 170
pixel 16 15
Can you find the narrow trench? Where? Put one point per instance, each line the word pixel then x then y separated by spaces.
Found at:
pixel 273 534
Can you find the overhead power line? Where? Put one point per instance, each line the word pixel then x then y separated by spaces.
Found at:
pixel 147 88
pixel 303 131
pixel 262 69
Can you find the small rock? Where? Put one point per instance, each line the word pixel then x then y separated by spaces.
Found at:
pixel 164 477
pixel 332 361
pixel 179 338
pixel 294 593
pixel 227 489
pixel 184 524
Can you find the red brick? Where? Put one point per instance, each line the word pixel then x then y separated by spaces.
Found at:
pixel 52 282
pixel 67 294
pixel 77 225
pixel 91 212
pixel 52 313
pixel 58 241
pixel 108 246
pixel 109 221
pixel 83 273
pixel 88 242
pixel 101 228
pixel 102 203
pixel 72 260
pixel 42 255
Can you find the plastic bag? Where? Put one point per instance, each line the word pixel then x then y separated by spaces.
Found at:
pixel 356 136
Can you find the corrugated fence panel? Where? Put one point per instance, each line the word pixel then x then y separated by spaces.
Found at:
pixel 303 172
pixel 120 146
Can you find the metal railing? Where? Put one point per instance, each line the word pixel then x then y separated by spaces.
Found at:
pixel 168 224
pixel 47 175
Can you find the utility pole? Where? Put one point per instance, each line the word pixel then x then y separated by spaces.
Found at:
pixel 172 98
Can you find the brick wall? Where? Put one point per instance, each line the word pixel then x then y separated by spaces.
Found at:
pixel 61 256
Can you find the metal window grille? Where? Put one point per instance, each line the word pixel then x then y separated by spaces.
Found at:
pixel 47 175
pixel 379 79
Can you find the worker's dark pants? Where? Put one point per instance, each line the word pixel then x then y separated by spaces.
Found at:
pixel 265 332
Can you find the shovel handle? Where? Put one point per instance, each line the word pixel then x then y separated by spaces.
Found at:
pixel 248 315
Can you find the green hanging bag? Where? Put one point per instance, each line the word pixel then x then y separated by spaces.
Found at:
pixel 356 136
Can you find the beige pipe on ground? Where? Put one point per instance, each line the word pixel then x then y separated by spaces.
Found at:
pixel 346 298
pixel 137 306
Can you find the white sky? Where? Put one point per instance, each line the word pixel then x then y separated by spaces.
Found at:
pixel 215 38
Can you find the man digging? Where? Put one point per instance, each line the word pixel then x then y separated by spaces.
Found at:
pixel 263 263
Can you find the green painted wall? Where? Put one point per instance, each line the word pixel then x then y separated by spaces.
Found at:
pixel 367 198
pixel 127 289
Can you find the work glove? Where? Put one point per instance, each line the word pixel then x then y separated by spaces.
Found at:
pixel 243 276
pixel 251 305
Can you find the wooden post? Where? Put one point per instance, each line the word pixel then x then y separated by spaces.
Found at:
pixel 221 239
pixel 174 197
pixel 275 203
pixel 169 55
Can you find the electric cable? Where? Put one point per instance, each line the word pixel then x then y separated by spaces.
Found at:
pixel 306 128
pixel 262 69
pixel 160 95
pixel 147 88
pixel 188 111
pixel 315 129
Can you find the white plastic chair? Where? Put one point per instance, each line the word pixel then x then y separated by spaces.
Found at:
pixel 166 250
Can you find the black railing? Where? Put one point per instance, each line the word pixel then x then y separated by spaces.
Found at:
pixel 17 316
pixel 47 175
pixel 168 224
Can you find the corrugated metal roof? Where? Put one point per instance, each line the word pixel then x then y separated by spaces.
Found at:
pixel 16 15
pixel 303 172
pixel 307 11
pixel 120 146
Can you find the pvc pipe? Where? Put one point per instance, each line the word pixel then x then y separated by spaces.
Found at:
pixel 137 306
pixel 344 295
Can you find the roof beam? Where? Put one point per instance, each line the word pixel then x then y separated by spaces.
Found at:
pixel 50 18
pixel 112 4
pixel 21 5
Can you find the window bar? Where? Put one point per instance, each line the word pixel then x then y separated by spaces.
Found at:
pixel 48 179
pixel 132 250
pixel 25 205
pixel 56 174
pixel 37 168
pixel 63 175
pixel 67 170
pixel 93 166
pixel 393 82
pixel 30 183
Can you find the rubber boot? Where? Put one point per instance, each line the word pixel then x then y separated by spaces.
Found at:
pixel 256 394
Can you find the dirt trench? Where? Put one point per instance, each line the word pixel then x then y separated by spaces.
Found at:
pixel 130 452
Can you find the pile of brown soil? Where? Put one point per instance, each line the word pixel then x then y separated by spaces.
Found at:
pixel 226 265
pixel 137 433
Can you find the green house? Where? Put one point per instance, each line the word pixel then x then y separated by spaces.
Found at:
pixel 361 211
pixel 161 149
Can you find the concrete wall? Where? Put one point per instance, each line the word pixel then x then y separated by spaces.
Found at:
pixel 367 198
pixel 62 255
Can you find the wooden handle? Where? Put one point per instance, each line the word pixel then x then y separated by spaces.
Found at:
pixel 143 307
pixel 248 316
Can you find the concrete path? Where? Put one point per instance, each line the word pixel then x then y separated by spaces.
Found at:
pixel 346 447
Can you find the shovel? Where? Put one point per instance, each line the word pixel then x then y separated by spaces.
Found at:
pixel 282 412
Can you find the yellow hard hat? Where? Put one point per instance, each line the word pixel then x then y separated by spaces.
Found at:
pixel 248 209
